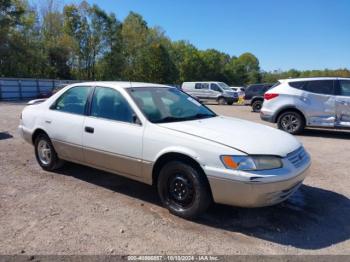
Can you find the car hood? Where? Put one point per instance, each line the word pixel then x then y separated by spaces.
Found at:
pixel 246 136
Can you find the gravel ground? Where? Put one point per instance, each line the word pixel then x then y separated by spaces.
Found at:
pixel 80 210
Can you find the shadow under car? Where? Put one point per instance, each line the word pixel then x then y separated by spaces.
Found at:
pixel 312 218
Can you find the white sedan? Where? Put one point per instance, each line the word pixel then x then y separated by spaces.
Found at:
pixel 159 135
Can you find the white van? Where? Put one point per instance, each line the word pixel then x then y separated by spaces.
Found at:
pixel 217 91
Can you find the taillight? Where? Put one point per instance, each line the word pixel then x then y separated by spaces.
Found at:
pixel 269 96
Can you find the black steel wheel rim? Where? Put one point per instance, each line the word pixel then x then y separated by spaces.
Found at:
pixel 181 190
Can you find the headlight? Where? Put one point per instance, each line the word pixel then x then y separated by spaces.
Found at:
pixel 251 162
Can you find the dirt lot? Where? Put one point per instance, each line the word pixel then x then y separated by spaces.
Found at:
pixel 81 210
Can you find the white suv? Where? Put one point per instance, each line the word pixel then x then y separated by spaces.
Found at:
pixel 319 102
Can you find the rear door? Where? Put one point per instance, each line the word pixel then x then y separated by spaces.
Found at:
pixel 64 122
pixel 343 103
pixel 202 90
pixel 319 102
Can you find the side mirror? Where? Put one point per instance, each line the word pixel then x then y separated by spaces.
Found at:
pixel 136 120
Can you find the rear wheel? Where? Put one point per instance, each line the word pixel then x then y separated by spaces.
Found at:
pixel 46 154
pixel 257 105
pixel 183 189
pixel 291 122
pixel 222 101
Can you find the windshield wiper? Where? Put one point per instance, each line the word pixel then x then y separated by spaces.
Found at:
pixel 176 119
pixel 199 116
pixel 169 119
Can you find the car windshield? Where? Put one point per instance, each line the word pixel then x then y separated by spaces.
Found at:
pixel 224 86
pixel 162 105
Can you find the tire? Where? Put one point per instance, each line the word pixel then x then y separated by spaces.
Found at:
pixel 257 105
pixel 292 122
pixel 45 153
pixel 222 101
pixel 230 103
pixel 195 198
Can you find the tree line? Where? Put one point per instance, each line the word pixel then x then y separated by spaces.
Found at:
pixel 82 41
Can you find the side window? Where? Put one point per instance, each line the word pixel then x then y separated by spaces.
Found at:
pixel 110 104
pixel 254 89
pixel 73 100
pixel 215 87
pixel 198 86
pixel 263 90
pixel 324 87
pixel 344 87
pixel 297 84
pixel 205 86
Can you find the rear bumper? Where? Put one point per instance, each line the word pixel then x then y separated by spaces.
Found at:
pixel 247 102
pixel 266 117
pixel 25 134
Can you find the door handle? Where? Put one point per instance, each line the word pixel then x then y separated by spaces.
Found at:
pixel 89 129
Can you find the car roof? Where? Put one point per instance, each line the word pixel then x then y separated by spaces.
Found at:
pixel 207 82
pixel 120 84
pixel 260 84
pixel 313 78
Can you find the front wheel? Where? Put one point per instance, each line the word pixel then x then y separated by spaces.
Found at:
pixel 291 122
pixel 222 101
pixel 257 105
pixel 230 103
pixel 183 190
pixel 46 154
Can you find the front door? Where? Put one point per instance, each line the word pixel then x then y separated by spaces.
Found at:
pixel 112 139
pixel 319 102
pixel 343 103
pixel 215 91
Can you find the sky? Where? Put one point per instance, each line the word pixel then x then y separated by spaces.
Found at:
pixel 283 34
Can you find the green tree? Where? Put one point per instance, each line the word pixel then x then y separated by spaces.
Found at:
pixel 214 65
pixel 156 65
pixel 134 36
pixel 56 47
pixel 188 61
pixel 20 47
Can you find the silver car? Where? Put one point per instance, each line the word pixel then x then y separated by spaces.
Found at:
pixel 316 102
pixel 214 91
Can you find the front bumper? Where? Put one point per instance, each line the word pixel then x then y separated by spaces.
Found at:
pixel 257 191
pixel 231 99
